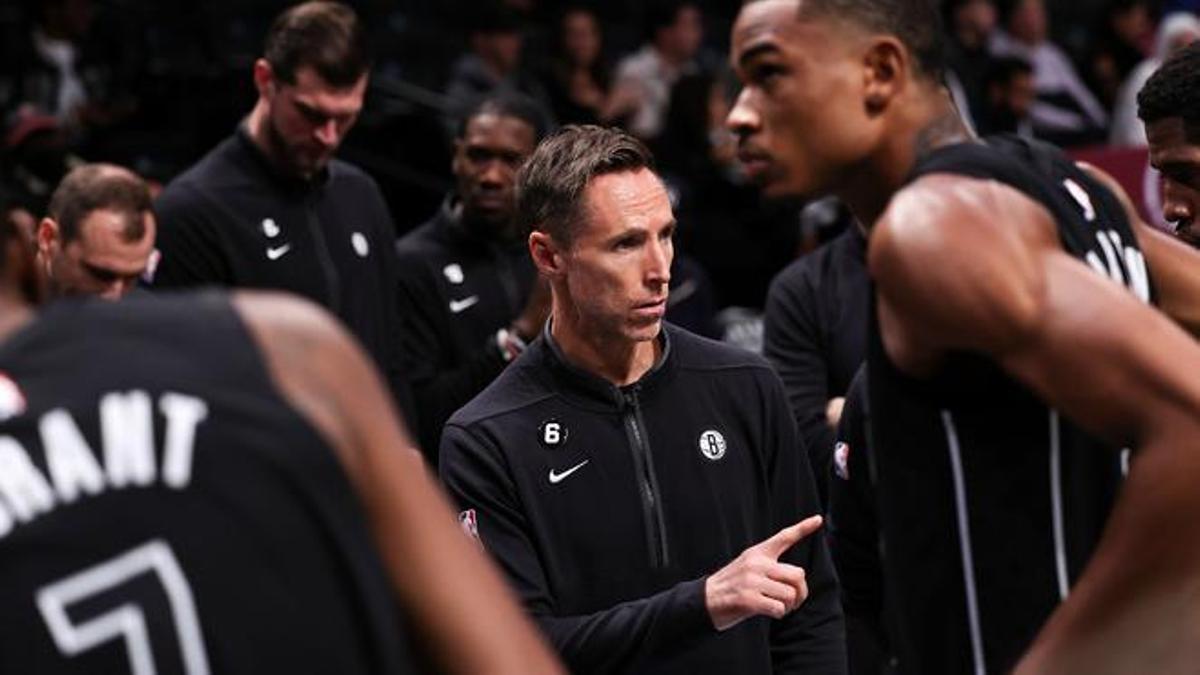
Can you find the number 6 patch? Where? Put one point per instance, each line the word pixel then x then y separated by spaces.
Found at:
pixel 552 434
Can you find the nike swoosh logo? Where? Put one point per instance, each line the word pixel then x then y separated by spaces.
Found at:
pixel 556 478
pixel 277 252
pixel 457 306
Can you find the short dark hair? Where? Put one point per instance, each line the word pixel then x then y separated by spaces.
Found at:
pixel 506 103
pixel 92 187
pixel 1174 91
pixel 551 184
pixel 324 35
pixel 917 23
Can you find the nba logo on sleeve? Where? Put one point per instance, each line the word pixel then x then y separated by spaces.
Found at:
pixel 12 401
pixel 468 523
pixel 841 461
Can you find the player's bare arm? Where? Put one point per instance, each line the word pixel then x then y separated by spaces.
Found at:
pixel 1064 331
pixel 1174 266
pixel 459 604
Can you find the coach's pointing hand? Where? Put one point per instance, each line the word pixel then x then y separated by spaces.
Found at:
pixel 757 583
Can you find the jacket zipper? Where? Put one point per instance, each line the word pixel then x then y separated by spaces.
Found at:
pixel 635 428
pixel 322 248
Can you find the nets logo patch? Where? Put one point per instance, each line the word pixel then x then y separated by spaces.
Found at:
pixel 12 401
pixel 712 444
pixel 469 524
pixel 841 460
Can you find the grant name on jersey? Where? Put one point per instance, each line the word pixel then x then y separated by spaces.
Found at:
pixel 74 469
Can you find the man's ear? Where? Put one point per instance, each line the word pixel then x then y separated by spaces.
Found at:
pixel 264 78
pixel 886 65
pixel 546 253
pixel 48 237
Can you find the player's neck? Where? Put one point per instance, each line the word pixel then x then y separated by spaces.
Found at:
pixel 611 357
pixel 927 125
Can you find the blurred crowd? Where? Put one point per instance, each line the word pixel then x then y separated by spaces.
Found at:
pixel 152 86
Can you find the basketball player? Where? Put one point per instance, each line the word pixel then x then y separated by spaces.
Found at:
pixel 219 484
pixel 1009 286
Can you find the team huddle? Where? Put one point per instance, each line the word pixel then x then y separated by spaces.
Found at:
pixel 245 481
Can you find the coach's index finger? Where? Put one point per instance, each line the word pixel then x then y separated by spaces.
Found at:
pixel 784 539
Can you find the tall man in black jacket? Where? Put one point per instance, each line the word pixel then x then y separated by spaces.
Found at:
pixel 640 485
pixel 271 208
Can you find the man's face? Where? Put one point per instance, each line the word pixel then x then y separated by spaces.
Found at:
pixel 502 49
pixel 308 120
pixel 1021 95
pixel 685 35
pixel 617 266
pixel 1178 161
pixel 100 261
pixel 977 17
pixel 581 37
pixel 1028 22
pixel 800 119
pixel 485 166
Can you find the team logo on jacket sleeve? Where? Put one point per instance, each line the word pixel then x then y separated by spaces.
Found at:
pixel 712 444
pixel 841 460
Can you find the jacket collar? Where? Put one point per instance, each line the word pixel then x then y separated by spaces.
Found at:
pixel 572 379
pixel 285 181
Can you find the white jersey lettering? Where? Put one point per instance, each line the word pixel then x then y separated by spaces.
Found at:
pixel 74 468
pixel 184 413
pixel 128 433
pixel 72 464
pixel 23 487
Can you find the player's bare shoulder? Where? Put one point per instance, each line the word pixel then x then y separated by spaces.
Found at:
pixel 957 260
pixel 311 359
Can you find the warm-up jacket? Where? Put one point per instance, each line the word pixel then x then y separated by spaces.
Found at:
pixel 234 220
pixel 815 334
pixel 608 507
pixel 457 287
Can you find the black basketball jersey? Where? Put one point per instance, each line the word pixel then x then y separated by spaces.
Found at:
pixel 990 502
pixel 163 510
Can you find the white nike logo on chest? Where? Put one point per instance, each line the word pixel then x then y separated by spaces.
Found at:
pixel 556 478
pixel 457 306
pixel 276 252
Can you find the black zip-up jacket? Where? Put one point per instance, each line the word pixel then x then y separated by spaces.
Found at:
pixel 234 220
pixel 608 507
pixel 457 287
pixel 815 334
